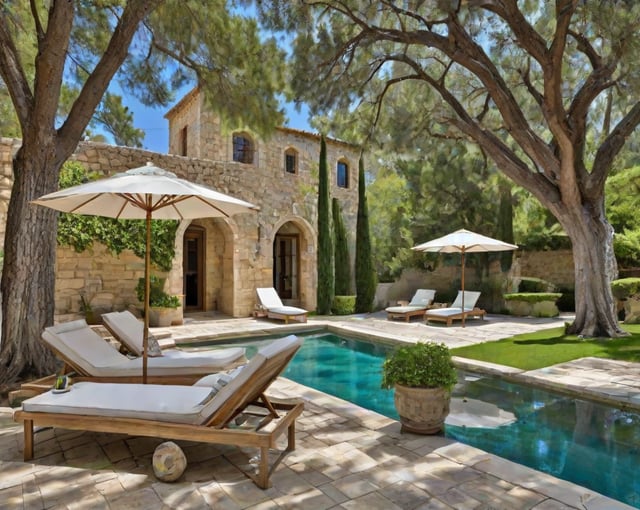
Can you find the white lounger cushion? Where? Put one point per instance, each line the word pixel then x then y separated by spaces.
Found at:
pixel 176 404
pixel 269 298
pixel 470 299
pixel 287 310
pixel 446 312
pixel 81 345
pixel 129 331
pixel 404 309
pixel 421 300
pixel 173 404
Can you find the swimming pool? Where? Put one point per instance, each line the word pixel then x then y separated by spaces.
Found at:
pixel 593 445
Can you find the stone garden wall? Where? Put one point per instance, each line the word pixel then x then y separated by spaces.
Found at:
pixel 553 266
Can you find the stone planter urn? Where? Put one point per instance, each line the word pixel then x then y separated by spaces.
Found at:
pixel 160 316
pixel 423 376
pixel 422 410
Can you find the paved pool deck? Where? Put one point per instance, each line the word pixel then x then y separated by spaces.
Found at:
pixel 346 457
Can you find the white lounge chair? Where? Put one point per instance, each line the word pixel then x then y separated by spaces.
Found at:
pixel 93 358
pixel 129 330
pixel 455 311
pixel 271 303
pixel 418 305
pixel 204 412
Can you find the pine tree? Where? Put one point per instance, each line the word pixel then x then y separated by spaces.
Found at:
pixel 342 263
pixel 325 289
pixel 365 275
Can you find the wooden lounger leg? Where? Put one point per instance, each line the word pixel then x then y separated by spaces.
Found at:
pixel 262 480
pixel 291 437
pixel 28 440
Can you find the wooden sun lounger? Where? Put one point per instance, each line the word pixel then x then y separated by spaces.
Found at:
pixel 448 315
pixel 88 357
pixel 417 307
pixel 271 304
pixel 266 419
pixel 456 311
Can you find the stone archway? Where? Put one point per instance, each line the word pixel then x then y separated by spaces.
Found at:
pixel 216 264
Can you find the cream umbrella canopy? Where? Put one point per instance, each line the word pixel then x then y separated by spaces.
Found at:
pixel 147 192
pixel 464 241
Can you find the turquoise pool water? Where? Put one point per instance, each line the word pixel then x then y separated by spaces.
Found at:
pixel 586 443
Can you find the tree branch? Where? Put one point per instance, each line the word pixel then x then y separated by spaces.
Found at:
pixel 13 74
pixel 98 81
pixel 610 148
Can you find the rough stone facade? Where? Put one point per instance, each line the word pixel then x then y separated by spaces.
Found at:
pixel 239 252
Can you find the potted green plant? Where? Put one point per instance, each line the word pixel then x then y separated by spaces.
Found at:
pixel 423 376
pixel 162 306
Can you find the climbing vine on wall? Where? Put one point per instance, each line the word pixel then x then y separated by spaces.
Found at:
pixel 80 232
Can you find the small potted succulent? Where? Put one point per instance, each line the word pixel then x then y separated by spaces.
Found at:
pixel 423 376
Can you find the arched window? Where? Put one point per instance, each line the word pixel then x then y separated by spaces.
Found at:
pixel 242 148
pixel 342 174
pixel 291 161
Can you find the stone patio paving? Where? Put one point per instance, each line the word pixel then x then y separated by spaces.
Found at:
pixel 346 457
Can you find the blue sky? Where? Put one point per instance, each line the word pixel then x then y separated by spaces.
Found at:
pixel 156 127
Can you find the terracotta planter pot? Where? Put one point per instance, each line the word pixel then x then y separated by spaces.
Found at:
pixel 422 410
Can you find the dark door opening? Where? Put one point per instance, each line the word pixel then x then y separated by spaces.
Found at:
pixel 285 266
pixel 193 269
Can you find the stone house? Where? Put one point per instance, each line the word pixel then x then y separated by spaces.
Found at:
pixel 219 262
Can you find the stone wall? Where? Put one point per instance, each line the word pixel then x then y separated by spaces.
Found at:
pixel 553 266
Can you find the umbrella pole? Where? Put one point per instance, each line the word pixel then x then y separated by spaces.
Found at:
pixel 147 290
pixel 462 285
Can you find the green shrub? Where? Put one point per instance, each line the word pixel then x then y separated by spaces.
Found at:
pixel 157 295
pixel 531 284
pixel 533 297
pixel 343 305
pixel 625 287
pixel 419 365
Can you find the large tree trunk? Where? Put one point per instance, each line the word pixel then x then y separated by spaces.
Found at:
pixel 595 268
pixel 28 277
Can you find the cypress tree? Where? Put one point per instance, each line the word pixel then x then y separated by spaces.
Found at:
pixel 325 289
pixel 365 274
pixel 342 263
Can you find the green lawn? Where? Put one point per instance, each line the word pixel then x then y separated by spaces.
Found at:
pixel 551 346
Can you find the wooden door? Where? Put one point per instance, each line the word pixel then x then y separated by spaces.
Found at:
pixel 193 269
pixel 286 264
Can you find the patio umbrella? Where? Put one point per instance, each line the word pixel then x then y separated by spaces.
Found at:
pixel 144 193
pixel 464 241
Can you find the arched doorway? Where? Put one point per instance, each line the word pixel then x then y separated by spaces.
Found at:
pixel 293 267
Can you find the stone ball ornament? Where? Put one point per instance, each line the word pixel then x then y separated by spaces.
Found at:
pixel 169 462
